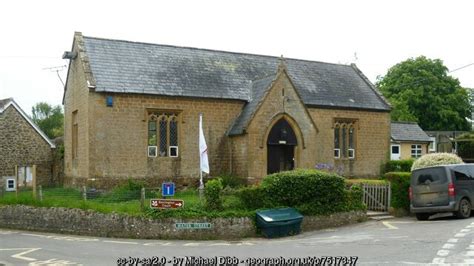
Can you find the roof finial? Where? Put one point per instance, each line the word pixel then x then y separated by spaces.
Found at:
pixel 282 64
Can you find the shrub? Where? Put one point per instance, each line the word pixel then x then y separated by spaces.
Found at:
pixel 399 166
pixel 434 159
pixel 213 195
pixel 301 186
pixel 126 192
pixel 400 182
pixel 253 197
pixel 357 181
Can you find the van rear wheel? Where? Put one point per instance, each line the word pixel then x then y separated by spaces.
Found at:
pixel 464 209
pixel 422 216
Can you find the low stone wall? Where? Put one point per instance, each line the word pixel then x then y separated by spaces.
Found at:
pixel 81 222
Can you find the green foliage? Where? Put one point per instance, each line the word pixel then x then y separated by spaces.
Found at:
pixel 49 119
pixel 434 159
pixel 351 182
pixel 253 197
pixel 212 192
pixel 399 165
pixel 421 90
pixel 312 192
pixel 400 182
pixel 126 192
pixel 299 186
pixel 466 146
pixel 232 181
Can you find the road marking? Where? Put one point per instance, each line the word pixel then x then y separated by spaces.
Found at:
pixel 443 253
pixel 470 247
pixel 120 242
pixel 67 238
pixel 7 232
pixel 53 262
pixel 453 240
pixel 438 260
pixel 466 230
pixel 191 244
pixel 389 225
pixel 158 244
pixel 20 255
pixel 448 246
pixel 220 244
pixel 470 253
pixel 460 235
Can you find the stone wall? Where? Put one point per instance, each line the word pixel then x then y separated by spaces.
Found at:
pixel 80 222
pixel 22 145
pixel 372 141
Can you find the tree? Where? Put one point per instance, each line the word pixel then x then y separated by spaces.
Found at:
pixel 50 119
pixel 421 90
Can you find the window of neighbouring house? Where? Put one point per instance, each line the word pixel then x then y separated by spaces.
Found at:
pixel 432 146
pixel 416 150
pixel 163 134
pixel 344 139
pixel 75 131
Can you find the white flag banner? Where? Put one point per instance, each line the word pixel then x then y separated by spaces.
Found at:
pixel 203 149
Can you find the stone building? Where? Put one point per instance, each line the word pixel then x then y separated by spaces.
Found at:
pixel 132 110
pixel 409 141
pixel 23 144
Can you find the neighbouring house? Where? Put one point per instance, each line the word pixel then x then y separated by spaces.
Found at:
pixel 132 110
pixel 22 145
pixel 408 141
pixel 444 141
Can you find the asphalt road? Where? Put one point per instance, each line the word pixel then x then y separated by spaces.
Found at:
pixel 398 241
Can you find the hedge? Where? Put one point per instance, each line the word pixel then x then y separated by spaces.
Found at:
pixel 312 192
pixel 400 182
pixel 434 159
pixel 399 166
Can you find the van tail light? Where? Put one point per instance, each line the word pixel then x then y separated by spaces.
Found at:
pixel 451 191
pixel 410 193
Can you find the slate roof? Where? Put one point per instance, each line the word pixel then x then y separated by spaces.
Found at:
pixel 5 103
pixel 132 67
pixel 408 131
pixel 257 92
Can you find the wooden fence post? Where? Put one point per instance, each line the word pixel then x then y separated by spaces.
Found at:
pixel 16 181
pixel 33 175
pixel 40 192
pixel 142 199
pixel 84 193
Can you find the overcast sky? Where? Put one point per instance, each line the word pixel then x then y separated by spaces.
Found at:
pixel 373 34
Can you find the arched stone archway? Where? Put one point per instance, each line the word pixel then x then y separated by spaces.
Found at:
pixel 281 144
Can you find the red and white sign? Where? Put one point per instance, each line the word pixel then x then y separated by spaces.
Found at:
pixel 166 203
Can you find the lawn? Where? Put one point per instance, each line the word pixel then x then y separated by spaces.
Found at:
pixel 122 200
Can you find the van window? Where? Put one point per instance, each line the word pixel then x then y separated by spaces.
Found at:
pixel 428 176
pixel 462 172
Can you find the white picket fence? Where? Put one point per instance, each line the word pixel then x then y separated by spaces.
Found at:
pixel 376 197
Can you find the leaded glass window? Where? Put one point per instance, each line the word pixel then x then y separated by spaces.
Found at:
pixel 163 134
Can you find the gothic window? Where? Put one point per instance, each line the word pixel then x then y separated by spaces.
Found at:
pixel 163 134
pixel 344 139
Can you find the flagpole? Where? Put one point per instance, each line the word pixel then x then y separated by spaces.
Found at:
pixel 201 183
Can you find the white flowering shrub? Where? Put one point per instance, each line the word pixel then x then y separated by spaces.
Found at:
pixel 434 159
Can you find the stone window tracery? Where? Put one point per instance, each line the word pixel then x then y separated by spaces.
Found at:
pixel 163 134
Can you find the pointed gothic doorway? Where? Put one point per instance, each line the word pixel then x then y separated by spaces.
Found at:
pixel 281 145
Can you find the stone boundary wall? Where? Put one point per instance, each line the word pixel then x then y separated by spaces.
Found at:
pixel 91 223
